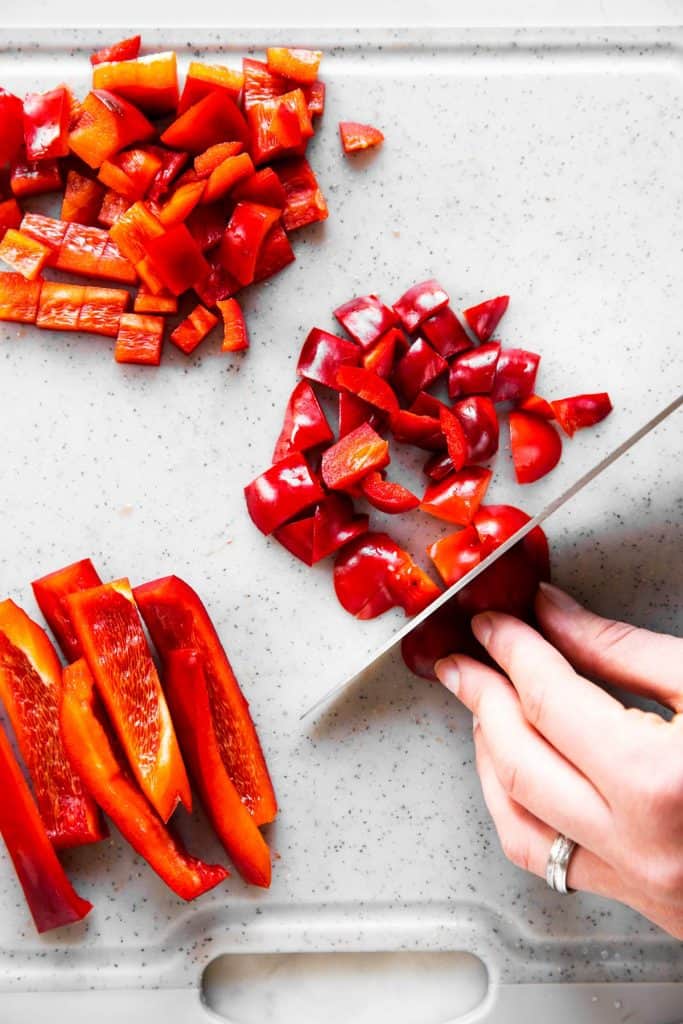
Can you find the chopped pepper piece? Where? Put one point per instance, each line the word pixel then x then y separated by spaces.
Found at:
pixel 422 431
pixel 457 443
pixel 373 574
pixel 367 385
pixel 235 337
pixel 102 310
pixel 536 446
pixel 150 82
pixel 418 369
pixel 382 356
pixel 445 333
pixel 23 254
pixel 539 406
pixel 46 124
pixel 496 523
pixel 477 415
pixel 260 83
pixel 356 137
pixel 305 201
pixel 323 354
pixel 10 215
pixel 113 207
pixel 456 554
pixel 51 592
pixel 181 203
pixel 262 187
pixel 353 457
pixel 11 127
pixel 580 411
pixel 177 259
pixel 484 318
pixel 226 175
pixel 305 424
pixel 19 298
pixel 107 123
pixel 474 372
pixel 125 49
pixel 515 375
pixel 205 78
pixel 193 329
pixel 386 495
pixel 297 64
pixel 243 238
pixel 206 162
pixel 215 118
pixel 147 302
pixel 353 411
pixel 60 305
pixel 139 339
pixel 420 302
pixel 335 524
pixel 34 177
pixel 279 125
pixel 275 253
pixel 457 497
pixel 83 199
pixel 134 230
pixel 366 319
pixel 282 492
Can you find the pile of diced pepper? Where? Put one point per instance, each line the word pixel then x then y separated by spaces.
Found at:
pixel 191 193
pixel 384 374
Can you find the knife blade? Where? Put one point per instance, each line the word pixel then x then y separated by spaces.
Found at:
pixel 541 516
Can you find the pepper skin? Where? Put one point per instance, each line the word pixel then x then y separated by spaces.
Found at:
pixel 536 446
pixel 581 411
pixel 366 319
pixel 484 318
pixel 305 425
pixel 107 124
pixel 51 592
pixel 282 492
pixel 457 497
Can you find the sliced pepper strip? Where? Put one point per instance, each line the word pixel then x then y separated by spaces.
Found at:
pixel 386 495
pixel 206 162
pixel 10 215
pixel 11 126
pixel 51 592
pixel 125 49
pixel 235 336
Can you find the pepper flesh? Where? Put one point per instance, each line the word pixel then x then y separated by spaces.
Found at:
pixel 305 425
pixel 83 198
pixel 373 574
pixel 484 318
pixel 473 373
pixel 19 298
pixel 479 421
pixel 243 238
pixel 193 329
pixel 536 446
pixel 581 411
pixel 322 355
pixel 369 386
pixel 419 368
pixel 353 457
pixel 51 592
pixel 107 123
pixel 445 333
pixel 386 495
pixel 456 554
pixel 23 254
pixel 298 64
pixel 11 126
pixel 150 82
pixel 215 118
pixel 515 375
pixel 46 124
pixel 420 302
pixel 139 339
pixel 457 497
pixel 235 336
pixel 34 177
pixel 356 137
pixel 177 259
pixel 202 79
pixel 366 319
pixel 305 201
pixel 282 492
pixel 125 49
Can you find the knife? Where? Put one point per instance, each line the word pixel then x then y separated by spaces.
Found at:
pixel 551 507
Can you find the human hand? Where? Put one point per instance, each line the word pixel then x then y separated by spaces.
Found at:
pixel 556 753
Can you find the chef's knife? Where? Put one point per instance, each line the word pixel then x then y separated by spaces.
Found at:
pixel 551 507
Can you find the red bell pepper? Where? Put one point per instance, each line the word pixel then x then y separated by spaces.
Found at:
pixel 177 259
pixel 243 238
pixel 60 305
pixel 282 492
pixel 455 554
pixel 11 127
pixel 367 385
pixel 108 628
pixel 125 49
pixel 353 457
pixel 477 415
pixel 421 431
pixel 298 64
pixel 206 224
pixel 366 319
pixel 47 230
pixel 279 125
pixel 275 254
pixel 235 336
pixel 82 199
pixel 332 525
pixel 297 538
pixel 457 497
pixel 51 898
pixel 315 97
pixel 419 368
pixel 539 406
pixel 419 303
pixel 438 466
pixel 113 208
pixel 146 302
pixel 10 215
pixel 496 523
pixel 51 592
pixel 171 165
pixel 130 173
pixel 305 201
pixel 386 495
pixel 515 375
pixel 305 424
pixel 428 405
pixel 457 443
pixel 175 618
pixel 139 340
pixel 473 372
pixel 102 310
pixel 46 124
pixel 356 137
pixel 445 631
pixel 217 286
pixel 31 690
pixel 381 358
pixel 181 203
pixel 19 298
pixel 353 411
pixel 228 173
pixel 263 187
pixel 35 177
pixel 206 162
pixel 510 586
pixel 260 83
pixel 107 124
pixel 150 82
pixel 215 118
pixel 373 574
pixel 23 254
pixel 95 758
pixel 323 354
pixel 193 329
pixel 580 411
pixel 81 249
pixel 133 232
pixel 536 446
pixel 202 79
pixel 445 333
pixel 484 318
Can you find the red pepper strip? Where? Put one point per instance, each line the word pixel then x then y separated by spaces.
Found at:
pixel 297 64
pixel 171 166
pixel 474 372
pixel 581 411
pixel 113 208
pixel 226 175
pixel 47 230
pixel 353 411
pixel 382 356
pixel 262 187
pixel 243 238
pixel 186 689
pixel 139 339
pixel 536 446
pixel 373 574
pixel 282 492
pixel 305 202
pixel 445 333
pixel 218 284
pixel 51 898
pixel 34 177
pixel 427 405
pixel 418 369
pixel 456 554
pixel 10 215
pixel 46 124
pixel 457 497
pixel 108 628
pixel 93 754
pixel 386 495
pixel 495 523
pixel 353 457
pixel 102 310
pixel 19 298
pixel 60 305
pixel 275 254
pixel 322 355
pixel 456 439
pixel 420 302
pixel 82 199
pixel 125 49
pixel 278 125
pixel 356 137
pixel 438 466
pixel 215 118
pixel 193 329
pixel 146 302
pixel 235 336
pixel 515 375
pixel 484 318
pixel 367 385
pixel 539 406
pixel 421 431
pixel 107 123
pixel 206 162
pixel 151 82
pixel 175 617
pixel 133 232
pixel 181 203
pixel 23 254
pixel 366 319
pixel 51 592
pixel 205 78
pixel 305 425
pixel 11 127
pixel 177 259
pixel 477 415
pixel 31 690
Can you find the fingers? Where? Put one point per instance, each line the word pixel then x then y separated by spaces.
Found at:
pixel 530 771
pixel 635 659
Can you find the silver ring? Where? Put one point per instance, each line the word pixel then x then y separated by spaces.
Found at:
pixel 558 863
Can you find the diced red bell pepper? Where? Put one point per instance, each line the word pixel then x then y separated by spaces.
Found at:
pixel 419 368
pixel 539 406
pixel 419 303
pixel 150 82
pixel 83 198
pixel 107 123
pixel 206 224
pixel 177 259
pixel 445 333
pixel 108 628
pixel 19 298
pixel 95 758
pixel 11 127
pixel 356 137
pixel 243 238
pixel 275 253
pixel 226 175
pixel 60 306
pixel 580 411
pixel 428 405
pixel 298 64
pixel 23 254
pixel 171 165
pixel 322 355
pixel 260 83
pixel 438 466
pixel 445 631
pixel 386 495
pixel 421 431
pixel 215 118
pixel 125 49
pixel 133 232
pixel 381 358
pixel 477 415
pixel 262 187
pixel 235 336
pixel 193 329
pixel 51 592
pixel 536 446
pixel 176 618
pixel 205 78
pixel 315 98
pixel 147 302
pixel 206 162
pixel 305 424
pixel 113 208
pixel 367 385
pixel 353 411
pixel 217 286
pixel 473 373
pixel 335 524
pixel 34 177
pixel 373 574
pixel 278 126
pixel 297 538
pixel 457 497
pixel 130 173
pixel 515 375
pixel 81 249
pixel 46 124
pixel 139 339
pixel 149 277
pixel 51 898
pixel 305 202
pixel 456 554
pixel 510 586
pixel 113 265
pixel 457 443
pixel 188 697
pixel 10 215
pixel 47 230
pixel 181 203
pixel 496 523
pixel 282 492
pixel 366 319
pixel 102 310
pixel 484 318
pixel 353 457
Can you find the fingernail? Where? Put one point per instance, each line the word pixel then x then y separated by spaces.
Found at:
pixel 482 627
pixel 558 597
pixel 448 673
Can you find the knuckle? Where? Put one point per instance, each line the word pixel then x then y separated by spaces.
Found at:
pixel 508 773
pixel 611 633
pixel 534 705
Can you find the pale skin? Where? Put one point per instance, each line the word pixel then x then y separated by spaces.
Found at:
pixel 556 753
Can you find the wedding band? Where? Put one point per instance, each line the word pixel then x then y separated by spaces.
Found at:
pixel 558 863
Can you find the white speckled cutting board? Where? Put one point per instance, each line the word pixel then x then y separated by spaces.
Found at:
pixel 546 164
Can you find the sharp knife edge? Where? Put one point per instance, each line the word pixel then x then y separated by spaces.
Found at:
pixel 551 507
